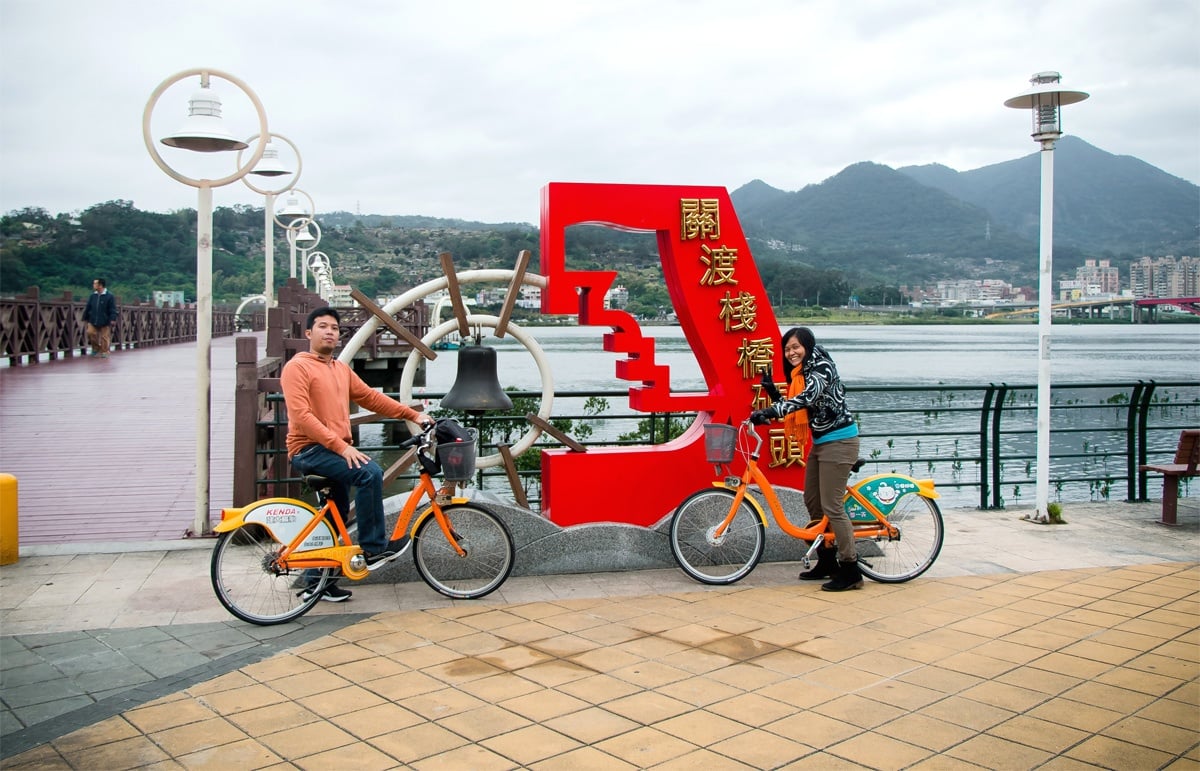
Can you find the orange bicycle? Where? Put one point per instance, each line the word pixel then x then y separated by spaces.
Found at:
pixel 461 549
pixel 717 534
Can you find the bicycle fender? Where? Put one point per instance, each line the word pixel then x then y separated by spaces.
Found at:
pixel 284 518
pixel 748 498
pixel 885 491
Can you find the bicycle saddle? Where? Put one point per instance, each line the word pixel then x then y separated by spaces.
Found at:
pixel 318 482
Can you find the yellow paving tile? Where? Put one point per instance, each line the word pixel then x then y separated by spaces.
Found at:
pixel 43 758
pixel 645 747
pixel 761 749
pixel 276 667
pixel 1041 734
pixel 304 684
pixel 555 673
pixel 272 718
pixel 246 753
pixel 243 699
pixel 967 713
pixel 650 674
pixel 420 741
pixel 582 759
pixel 157 716
pixel 701 727
pixel 441 703
pixel 901 694
pixel 340 701
pixel 972 663
pixel 1010 697
pixel 483 722
pixel 543 705
pixel 1075 714
pixel 652 647
pixel 377 720
pixel 127 753
pixel 474 757
pixel 926 732
pixel 113 729
pixel 461 670
pixel 1159 736
pixel 858 711
pixel 371 668
pixel 531 744
pixel 747 677
pixel 1097 694
pixel 597 689
pixel 753 709
pixel 333 655
pixel 1107 752
pixel 647 707
pixel 402 686
pixel 1071 666
pixel 189 738
pixel 942 680
pixel 1030 678
pixel 984 750
pixel 605 659
pixel 1177 713
pixel 877 751
pixel 591 725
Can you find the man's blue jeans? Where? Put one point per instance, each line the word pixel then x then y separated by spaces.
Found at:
pixel 367 480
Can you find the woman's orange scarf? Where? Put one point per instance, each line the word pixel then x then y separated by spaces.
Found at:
pixel 795 424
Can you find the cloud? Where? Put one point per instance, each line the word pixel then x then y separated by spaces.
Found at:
pixel 467 109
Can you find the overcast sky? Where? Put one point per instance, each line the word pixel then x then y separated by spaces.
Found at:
pixel 467 108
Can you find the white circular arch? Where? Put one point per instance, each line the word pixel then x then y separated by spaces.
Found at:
pixel 535 350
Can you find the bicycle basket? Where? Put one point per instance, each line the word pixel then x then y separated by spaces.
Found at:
pixel 457 458
pixel 719 441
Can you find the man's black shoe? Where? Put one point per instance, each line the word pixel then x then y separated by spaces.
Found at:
pixel 331 593
pixel 378 560
pixel 400 545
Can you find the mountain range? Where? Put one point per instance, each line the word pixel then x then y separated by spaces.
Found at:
pixel 919 223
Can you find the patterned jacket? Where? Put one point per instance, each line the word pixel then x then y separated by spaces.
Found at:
pixel 823 396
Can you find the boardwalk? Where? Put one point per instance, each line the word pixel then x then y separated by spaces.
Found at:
pixel 105 449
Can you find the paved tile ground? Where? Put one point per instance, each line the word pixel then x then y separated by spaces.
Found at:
pixel 1026 647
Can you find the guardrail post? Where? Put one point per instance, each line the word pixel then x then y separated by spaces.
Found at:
pixel 1131 459
pixel 1143 409
pixel 245 420
pixel 983 444
pixel 996 470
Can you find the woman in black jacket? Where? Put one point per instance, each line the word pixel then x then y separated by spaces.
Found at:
pixel 816 405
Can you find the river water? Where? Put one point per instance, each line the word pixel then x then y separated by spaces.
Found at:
pixel 878 355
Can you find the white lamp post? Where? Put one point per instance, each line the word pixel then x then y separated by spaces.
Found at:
pixel 295 217
pixel 303 238
pixel 1045 98
pixel 318 263
pixel 271 166
pixel 204 132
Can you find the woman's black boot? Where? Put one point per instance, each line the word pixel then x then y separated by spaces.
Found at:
pixel 848 577
pixel 826 565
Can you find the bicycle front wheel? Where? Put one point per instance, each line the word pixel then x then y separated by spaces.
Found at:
pixel 712 559
pixel 902 559
pixel 248 583
pixel 484 538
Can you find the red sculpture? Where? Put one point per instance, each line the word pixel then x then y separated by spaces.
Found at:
pixel 724 311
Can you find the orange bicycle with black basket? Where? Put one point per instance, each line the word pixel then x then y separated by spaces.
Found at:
pixel 718 534
pixel 268 550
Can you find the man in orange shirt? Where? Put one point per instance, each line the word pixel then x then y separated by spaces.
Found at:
pixel 317 390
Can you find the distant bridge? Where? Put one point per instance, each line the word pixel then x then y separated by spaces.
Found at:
pixel 1144 308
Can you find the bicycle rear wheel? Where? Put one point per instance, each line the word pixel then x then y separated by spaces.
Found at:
pixel 902 559
pixel 704 556
pixel 247 583
pixel 484 538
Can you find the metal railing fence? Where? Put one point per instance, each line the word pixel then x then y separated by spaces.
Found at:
pixel 977 442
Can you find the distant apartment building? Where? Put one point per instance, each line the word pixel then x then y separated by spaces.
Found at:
pixel 616 297
pixel 973 292
pixel 339 296
pixel 167 299
pixel 1165 277
pixel 1097 278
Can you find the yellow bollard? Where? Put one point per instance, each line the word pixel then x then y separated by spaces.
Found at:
pixel 8 519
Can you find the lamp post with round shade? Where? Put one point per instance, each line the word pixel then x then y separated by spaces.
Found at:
pixel 204 132
pixel 295 217
pixel 1045 98
pixel 271 166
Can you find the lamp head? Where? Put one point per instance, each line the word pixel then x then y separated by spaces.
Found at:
pixel 291 209
pixel 1044 98
pixel 203 131
pixel 270 165
pixel 305 235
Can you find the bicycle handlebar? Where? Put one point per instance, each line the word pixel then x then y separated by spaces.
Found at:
pixel 748 428
pixel 423 439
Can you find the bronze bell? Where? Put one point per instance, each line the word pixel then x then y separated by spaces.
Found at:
pixel 476 388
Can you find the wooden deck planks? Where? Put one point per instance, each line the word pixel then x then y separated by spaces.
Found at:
pixel 104 449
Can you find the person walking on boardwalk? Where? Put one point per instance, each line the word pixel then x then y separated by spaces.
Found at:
pixel 816 405
pixel 317 390
pixel 100 313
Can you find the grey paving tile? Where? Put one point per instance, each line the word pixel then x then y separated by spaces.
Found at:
pixel 31 674
pixel 39 693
